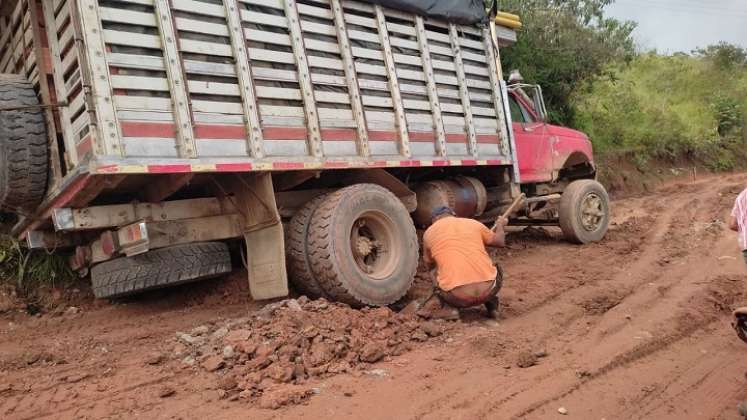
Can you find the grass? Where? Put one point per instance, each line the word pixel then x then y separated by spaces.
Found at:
pixel 28 271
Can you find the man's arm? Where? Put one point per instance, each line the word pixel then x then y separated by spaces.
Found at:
pixel 427 256
pixel 497 237
pixel 733 225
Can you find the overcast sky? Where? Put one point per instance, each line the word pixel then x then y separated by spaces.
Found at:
pixel 683 25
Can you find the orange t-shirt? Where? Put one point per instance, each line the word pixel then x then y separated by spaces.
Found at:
pixel 458 247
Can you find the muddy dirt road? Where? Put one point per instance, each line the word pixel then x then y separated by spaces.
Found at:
pixel 636 327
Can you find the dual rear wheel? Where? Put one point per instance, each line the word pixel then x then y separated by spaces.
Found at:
pixel 357 245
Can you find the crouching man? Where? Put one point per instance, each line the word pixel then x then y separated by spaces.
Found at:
pixel 466 275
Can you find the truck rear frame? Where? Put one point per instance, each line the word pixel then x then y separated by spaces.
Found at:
pixel 173 122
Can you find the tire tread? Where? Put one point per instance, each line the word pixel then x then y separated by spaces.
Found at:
pixel 160 268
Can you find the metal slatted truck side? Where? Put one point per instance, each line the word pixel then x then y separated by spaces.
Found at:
pixel 144 136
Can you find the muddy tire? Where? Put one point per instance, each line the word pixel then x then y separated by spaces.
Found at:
pixel 23 147
pixel 296 250
pixel 160 268
pixel 362 246
pixel 584 211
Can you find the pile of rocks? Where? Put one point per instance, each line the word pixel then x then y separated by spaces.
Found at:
pixel 291 341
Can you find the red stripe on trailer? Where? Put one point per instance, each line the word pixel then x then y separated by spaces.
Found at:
pixel 376 135
pixel 456 138
pixel 287 165
pixel 335 164
pixel 85 146
pixel 469 162
pixel 212 131
pixel 440 163
pixel 376 163
pixel 488 139
pixel 422 136
pixel 284 133
pixel 148 129
pixel 339 134
pixel 409 163
pixel 494 162
pixel 233 167
pixel 107 169
pixel 169 169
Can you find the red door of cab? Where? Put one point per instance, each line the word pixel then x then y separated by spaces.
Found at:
pixel 533 141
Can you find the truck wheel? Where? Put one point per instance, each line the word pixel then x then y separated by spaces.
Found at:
pixel 584 211
pixel 23 147
pixel 160 268
pixel 296 250
pixel 362 246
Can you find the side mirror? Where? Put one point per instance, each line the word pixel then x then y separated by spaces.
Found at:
pixel 535 93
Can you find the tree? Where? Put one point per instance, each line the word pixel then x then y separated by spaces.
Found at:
pixel 564 43
pixel 724 55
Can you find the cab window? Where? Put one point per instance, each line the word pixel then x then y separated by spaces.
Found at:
pixel 518 113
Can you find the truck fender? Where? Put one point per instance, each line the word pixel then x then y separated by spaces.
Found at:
pixel 385 179
pixel 577 165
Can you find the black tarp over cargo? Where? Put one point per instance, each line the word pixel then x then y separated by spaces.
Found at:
pixel 465 12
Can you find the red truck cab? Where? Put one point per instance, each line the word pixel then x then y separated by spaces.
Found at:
pixel 545 150
pixel 556 169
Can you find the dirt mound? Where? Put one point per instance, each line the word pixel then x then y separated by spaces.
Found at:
pixel 269 356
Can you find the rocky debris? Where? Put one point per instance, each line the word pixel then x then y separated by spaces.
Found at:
pixel 277 399
pixel 154 358
pixel 526 359
pixel 166 391
pixel 76 378
pixel 227 383
pixel 73 310
pixel 268 358
pixel 189 339
pixel 563 411
pixel 432 329
pixel 201 330
pixel 540 354
pixel 213 363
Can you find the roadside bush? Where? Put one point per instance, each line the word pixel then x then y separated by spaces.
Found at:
pixel 667 107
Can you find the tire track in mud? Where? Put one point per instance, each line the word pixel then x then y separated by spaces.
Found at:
pixel 686 324
pixel 564 302
pixel 666 229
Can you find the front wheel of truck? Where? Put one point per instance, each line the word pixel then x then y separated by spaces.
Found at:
pixel 362 246
pixel 584 211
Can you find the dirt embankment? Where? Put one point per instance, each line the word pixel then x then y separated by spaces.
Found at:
pixel 635 327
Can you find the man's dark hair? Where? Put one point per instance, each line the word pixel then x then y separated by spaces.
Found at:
pixel 440 211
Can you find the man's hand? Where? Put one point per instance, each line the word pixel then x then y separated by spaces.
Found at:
pixel 733 225
pixel 501 223
pixel 499 234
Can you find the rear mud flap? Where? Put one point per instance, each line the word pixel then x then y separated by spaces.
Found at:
pixel 265 259
pixel 263 232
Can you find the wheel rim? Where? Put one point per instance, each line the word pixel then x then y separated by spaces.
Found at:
pixel 592 212
pixel 373 245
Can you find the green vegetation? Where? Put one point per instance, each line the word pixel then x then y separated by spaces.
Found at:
pixel 667 107
pixel 562 43
pixel 27 270
pixel 643 105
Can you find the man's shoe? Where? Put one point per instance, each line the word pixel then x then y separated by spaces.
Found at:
pixel 492 307
pixel 447 313
pixel 435 309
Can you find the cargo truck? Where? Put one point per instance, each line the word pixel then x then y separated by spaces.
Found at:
pixel 143 137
